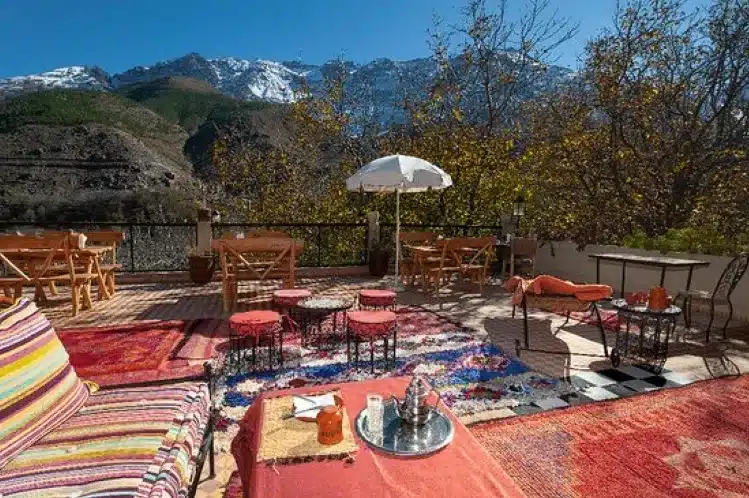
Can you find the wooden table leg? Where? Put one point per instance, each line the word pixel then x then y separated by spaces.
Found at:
pixel 103 288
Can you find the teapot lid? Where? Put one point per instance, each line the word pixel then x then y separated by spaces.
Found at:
pixel 418 386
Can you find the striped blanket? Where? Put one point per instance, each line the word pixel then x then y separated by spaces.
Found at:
pixel 128 442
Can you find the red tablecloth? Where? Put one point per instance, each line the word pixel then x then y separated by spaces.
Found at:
pixel 464 468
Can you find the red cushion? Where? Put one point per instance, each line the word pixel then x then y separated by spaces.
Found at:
pixel 377 293
pixel 290 297
pixel 377 297
pixel 292 293
pixel 254 322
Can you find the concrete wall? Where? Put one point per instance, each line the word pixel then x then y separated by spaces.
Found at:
pixel 571 264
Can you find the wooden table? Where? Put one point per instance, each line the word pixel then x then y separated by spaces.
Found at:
pixel 657 261
pixel 463 468
pixel 90 255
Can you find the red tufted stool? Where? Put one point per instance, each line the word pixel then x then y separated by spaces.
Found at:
pixel 285 301
pixel 369 326
pixel 288 298
pixel 377 298
pixel 253 327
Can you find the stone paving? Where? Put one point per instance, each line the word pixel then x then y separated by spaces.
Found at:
pixel 488 313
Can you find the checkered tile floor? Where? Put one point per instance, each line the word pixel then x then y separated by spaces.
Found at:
pixel 609 384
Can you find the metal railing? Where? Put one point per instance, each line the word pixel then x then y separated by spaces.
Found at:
pixel 164 246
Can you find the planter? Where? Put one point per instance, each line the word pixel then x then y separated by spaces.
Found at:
pixel 201 269
pixel 378 262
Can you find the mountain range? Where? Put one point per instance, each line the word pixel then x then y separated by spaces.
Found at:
pixel 80 144
pixel 379 87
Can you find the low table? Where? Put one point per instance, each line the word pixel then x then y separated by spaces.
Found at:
pixel 655 328
pixel 314 311
pixel 463 468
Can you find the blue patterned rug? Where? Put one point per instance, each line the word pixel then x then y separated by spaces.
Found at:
pixel 472 375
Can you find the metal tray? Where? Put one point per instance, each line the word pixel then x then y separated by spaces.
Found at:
pixel 400 438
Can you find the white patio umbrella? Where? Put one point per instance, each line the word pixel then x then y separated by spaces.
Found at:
pixel 398 174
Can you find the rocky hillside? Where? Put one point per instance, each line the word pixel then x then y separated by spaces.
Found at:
pixel 84 155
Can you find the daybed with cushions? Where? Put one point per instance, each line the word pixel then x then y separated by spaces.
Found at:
pixel 59 436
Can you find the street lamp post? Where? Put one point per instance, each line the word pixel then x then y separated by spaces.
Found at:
pixel 518 210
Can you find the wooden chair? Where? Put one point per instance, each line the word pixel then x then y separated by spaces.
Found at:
pixel 407 265
pixel 255 258
pixel 111 239
pixel 467 256
pixel 523 250
pixel 21 253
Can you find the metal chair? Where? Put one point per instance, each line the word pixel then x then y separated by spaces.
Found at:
pixel 523 251
pixel 721 294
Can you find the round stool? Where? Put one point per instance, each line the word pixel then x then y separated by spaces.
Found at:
pixel 254 326
pixel 377 298
pixel 369 326
pixel 288 298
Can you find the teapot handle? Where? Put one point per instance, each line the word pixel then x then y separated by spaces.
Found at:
pixel 435 391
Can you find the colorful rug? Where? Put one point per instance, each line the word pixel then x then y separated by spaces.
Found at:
pixel 145 352
pixel 472 375
pixel 689 442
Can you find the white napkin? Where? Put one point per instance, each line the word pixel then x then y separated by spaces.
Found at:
pixel 306 402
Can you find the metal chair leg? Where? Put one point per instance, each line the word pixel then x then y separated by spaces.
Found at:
pixel 710 323
pixel 513 311
pixel 730 315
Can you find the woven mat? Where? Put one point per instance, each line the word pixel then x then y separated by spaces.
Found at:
pixel 291 439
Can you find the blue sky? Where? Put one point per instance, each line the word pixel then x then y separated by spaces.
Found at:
pixel 40 35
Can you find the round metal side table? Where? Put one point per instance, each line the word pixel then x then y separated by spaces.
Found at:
pixel 645 335
pixel 315 328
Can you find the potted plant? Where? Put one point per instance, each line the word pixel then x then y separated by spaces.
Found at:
pixel 379 258
pixel 201 265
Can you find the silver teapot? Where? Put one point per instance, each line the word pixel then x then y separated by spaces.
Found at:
pixel 414 409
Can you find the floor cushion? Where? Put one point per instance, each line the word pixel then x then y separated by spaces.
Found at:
pixel 124 442
pixel 39 390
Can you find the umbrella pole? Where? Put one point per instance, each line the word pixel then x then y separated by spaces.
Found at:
pixel 397 234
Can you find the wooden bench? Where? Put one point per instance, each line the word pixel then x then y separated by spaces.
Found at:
pixel 255 258
pixel 111 239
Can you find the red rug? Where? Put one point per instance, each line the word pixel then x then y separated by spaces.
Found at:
pixel 688 442
pixel 608 317
pixel 142 352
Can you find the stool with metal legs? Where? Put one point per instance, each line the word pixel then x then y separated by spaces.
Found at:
pixel 370 326
pixel 253 328
pixel 377 299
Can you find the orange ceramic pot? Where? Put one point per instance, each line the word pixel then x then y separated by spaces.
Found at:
pixel 658 298
pixel 330 423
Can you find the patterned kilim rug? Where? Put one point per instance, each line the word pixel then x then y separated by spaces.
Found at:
pixel 474 377
pixel 143 352
pixel 689 442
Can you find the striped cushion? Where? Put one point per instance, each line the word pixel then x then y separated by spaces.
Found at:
pixel 39 390
pixel 127 442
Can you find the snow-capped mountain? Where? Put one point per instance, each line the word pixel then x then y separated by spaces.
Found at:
pixel 377 88
pixel 84 77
